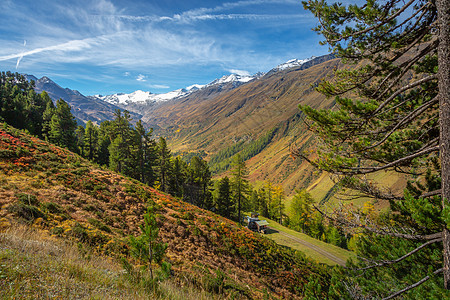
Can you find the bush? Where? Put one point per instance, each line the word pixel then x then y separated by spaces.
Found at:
pixel 27 199
pixel 27 212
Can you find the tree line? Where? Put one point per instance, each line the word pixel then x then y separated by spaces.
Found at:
pixel 133 151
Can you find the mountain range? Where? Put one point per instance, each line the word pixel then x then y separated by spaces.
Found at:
pixel 256 116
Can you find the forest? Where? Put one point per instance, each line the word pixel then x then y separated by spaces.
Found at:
pixel 391 114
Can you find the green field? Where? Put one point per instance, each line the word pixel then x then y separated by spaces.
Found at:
pixel 279 238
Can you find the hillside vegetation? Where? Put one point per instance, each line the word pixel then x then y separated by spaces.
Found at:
pixel 259 120
pixel 67 197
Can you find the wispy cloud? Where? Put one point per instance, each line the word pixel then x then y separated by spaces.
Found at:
pixel 159 86
pixel 141 78
pixel 20 58
pixel 239 72
pixel 75 45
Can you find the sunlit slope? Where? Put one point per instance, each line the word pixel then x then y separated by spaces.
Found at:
pixel 65 195
pixel 260 120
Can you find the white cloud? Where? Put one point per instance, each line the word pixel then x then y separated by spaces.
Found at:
pixel 239 72
pixel 159 86
pixel 126 74
pixel 141 78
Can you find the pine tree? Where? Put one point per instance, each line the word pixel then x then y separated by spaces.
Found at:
pixel 145 154
pixel 120 158
pixel 224 200
pixel 63 126
pixel 90 142
pixel 163 166
pixel 392 114
pixel 104 141
pixel 239 183
pixel 79 133
pixel 197 188
pixel 147 247
pixel 178 177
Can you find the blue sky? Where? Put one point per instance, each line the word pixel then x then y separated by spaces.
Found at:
pixel 110 46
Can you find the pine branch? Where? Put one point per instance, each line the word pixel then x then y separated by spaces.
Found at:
pixel 345 223
pixel 399 12
pixel 406 65
pixel 389 262
pixel 414 114
pixel 403 89
pixel 413 285
pixel 366 170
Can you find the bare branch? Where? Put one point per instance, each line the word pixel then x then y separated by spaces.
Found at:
pixel 431 194
pixel 413 285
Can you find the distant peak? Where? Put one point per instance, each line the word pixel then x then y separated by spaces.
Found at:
pixel 292 63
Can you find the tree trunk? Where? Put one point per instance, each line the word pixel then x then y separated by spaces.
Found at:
pixel 443 11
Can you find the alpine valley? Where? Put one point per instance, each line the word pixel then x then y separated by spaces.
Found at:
pixel 256 116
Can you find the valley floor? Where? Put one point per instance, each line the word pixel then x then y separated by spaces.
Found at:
pixel 320 251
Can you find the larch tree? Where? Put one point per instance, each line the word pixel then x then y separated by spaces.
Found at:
pixel 392 115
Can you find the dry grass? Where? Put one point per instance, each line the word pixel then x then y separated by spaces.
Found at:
pixel 34 265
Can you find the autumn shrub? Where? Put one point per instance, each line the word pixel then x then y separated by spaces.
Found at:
pixel 99 225
pixel 56 209
pixel 27 199
pixel 26 212
pixel 58 231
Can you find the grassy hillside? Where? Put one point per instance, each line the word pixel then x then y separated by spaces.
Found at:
pixel 259 120
pixel 68 198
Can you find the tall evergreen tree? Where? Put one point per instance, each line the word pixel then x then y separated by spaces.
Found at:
pixel 120 150
pixel 90 142
pixel 79 134
pixel 163 167
pixel 178 177
pixel 63 126
pixel 197 187
pixel 104 141
pixel 145 154
pixel 224 200
pixel 239 183
pixel 392 113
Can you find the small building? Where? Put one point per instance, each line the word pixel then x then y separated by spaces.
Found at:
pixel 255 224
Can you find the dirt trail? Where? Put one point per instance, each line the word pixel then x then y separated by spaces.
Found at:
pixel 323 252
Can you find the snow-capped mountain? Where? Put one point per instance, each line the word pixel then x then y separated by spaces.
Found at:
pixel 292 63
pixel 141 97
pixel 231 81
pixel 235 78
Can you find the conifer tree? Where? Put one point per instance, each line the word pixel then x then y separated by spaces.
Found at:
pixel 121 143
pixel 224 200
pixel 90 142
pixel 239 183
pixel 145 154
pixel 178 177
pixel 79 133
pixel 63 126
pixel 197 188
pixel 392 114
pixel 301 211
pixel 104 141
pixel 163 166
